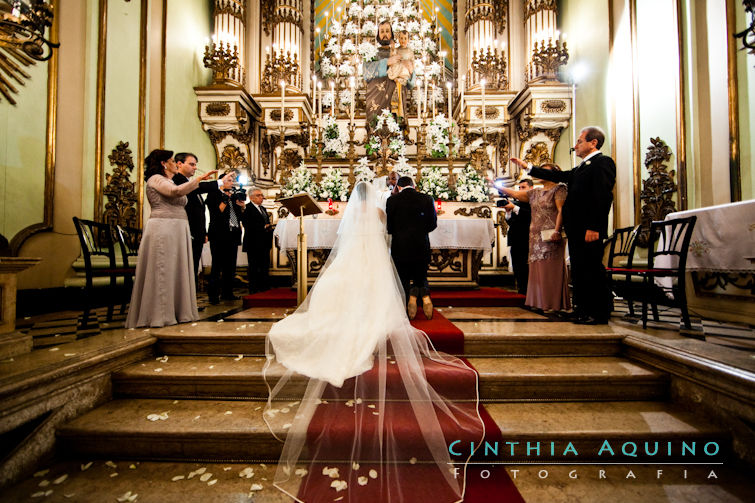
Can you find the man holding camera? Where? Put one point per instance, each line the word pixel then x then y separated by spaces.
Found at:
pixel 225 208
pixel 518 217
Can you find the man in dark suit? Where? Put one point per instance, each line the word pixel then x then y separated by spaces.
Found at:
pixel 586 209
pixel 258 239
pixel 518 217
pixel 410 218
pixel 225 238
pixel 195 208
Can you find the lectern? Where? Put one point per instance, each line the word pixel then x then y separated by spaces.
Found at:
pixel 300 205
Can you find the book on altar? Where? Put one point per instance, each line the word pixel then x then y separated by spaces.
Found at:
pixel 547 234
pixel 301 204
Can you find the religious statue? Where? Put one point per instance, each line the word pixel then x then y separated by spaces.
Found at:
pixel 393 67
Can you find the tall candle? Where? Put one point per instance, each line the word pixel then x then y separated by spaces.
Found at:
pixel 425 101
pixel 462 86
pixel 332 98
pixel 433 99
pixel 483 106
pixel 448 86
pixel 283 101
pixel 319 105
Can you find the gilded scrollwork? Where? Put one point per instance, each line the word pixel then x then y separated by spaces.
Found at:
pixel 120 191
pixel 538 153
pixel 523 128
pixel 553 106
pixel 218 109
pixel 275 114
pixel 535 6
pixel 657 190
pixel 290 159
pixel 236 8
pixel 489 10
pixel 233 158
pixel 446 260
pixel 478 211
pixel 491 113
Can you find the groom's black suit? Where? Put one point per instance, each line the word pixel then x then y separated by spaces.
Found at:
pixel 588 202
pixel 410 218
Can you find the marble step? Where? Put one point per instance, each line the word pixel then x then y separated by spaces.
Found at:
pixel 235 430
pixel 554 378
pixel 480 338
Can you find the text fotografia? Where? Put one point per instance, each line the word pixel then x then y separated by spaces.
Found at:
pixel 604 449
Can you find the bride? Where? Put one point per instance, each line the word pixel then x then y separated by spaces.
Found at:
pixel 356 392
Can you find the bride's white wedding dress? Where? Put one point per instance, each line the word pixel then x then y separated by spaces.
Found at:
pixel 354 393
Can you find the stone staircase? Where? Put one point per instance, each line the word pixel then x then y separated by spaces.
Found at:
pixel 540 382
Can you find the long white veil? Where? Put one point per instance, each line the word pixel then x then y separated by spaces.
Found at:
pixel 364 404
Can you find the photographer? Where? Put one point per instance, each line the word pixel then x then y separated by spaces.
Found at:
pixel 518 216
pixel 225 206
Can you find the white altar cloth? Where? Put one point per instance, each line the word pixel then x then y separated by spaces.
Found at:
pixel 722 240
pixel 465 234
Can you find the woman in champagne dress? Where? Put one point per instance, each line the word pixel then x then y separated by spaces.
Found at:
pixel 164 290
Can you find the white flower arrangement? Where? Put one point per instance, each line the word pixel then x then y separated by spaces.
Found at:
pixel 398 26
pixel 333 48
pixel 434 183
pixel 327 101
pixel 334 186
pixel 368 51
pixel 348 47
pixel 416 45
pixel 334 138
pixel 383 12
pixel 336 28
pixel 426 28
pixel 397 145
pixel 355 10
pixel 346 69
pixel 397 9
pixel 386 118
pixel 433 68
pixel 369 29
pixel 403 168
pixel 363 172
pixel 412 26
pixel 327 69
pixel 345 97
pixel 438 140
pixel 369 11
pixel 430 45
pixel 470 186
pixel 301 180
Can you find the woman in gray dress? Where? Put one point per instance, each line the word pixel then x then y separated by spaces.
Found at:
pixel 164 291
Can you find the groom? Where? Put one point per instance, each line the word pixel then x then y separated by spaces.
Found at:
pixel 410 218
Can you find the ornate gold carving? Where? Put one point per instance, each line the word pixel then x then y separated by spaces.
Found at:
pixel 490 10
pixel 535 6
pixel 446 259
pixel 290 159
pixel 491 113
pixel 282 11
pixel 479 160
pixel 267 8
pixel 282 212
pixel 236 8
pixel 657 190
pixel 232 158
pixel 275 114
pixel 22 40
pixel 242 137
pixel 265 153
pixel 503 150
pixel 538 153
pixel 547 59
pixel 523 129
pixel 120 208
pixel 221 60
pixel 279 67
pixel 553 106
pixel 478 211
pixel 218 109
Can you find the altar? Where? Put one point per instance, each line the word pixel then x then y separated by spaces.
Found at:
pixel 457 245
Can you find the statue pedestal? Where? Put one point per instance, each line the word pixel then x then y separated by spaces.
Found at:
pixel 12 343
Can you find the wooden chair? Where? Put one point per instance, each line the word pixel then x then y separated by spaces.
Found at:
pixel 128 239
pixel 621 247
pixel 97 241
pixel 666 259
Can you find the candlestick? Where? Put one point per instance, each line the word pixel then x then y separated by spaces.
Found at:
pixel 425 102
pixel 353 99
pixel 432 97
pixel 483 109
pixel 283 101
pixel 462 86
pixel 319 104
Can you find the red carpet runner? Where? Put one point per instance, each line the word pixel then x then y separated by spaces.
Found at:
pixel 484 297
pixel 332 432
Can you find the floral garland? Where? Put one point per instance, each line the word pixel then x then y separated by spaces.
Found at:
pixel 435 184
pixel 363 172
pixel 301 180
pixel 335 139
pixel 470 186
pixel 333 186
pixel 438 141
pixel 403 168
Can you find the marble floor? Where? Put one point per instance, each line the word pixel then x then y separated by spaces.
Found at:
pixel 98 480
